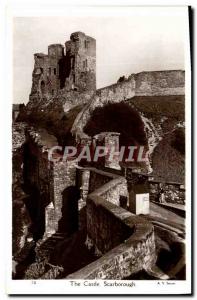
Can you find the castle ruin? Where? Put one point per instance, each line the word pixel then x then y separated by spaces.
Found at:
pixel 72 69
pixel 70 207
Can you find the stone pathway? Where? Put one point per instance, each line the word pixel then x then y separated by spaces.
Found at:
pixel 178 209
pixel 174 205
pixel 163 215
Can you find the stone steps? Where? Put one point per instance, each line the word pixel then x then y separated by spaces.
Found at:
pixel 47 246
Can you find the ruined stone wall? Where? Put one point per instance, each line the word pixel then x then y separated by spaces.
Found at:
pixel 18 135
pixel 108 184
pixel 20 217
pixel 174 192
pixel 45 77
pixel 160 83
pixel 129 249
pixel 64 176
pixel 37 166
pixel 97 179
pixel 50 178
pixel 18 140
pixel 105 230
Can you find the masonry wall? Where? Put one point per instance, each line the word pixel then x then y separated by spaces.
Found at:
pixel 160 83
pixel 101 223
pixel 130 249
pixel 121 262
pixel 36 164
pixel 49 178
pixel 97 179
pixel 45 76
pixel 18 140
pixel 20 217
pixel 64 176
pixel 109 184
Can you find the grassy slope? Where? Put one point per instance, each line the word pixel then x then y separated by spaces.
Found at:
pixel 168 163
pixel 155 107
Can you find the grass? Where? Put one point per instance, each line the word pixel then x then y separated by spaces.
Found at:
pixel 158 106
pixel 168 162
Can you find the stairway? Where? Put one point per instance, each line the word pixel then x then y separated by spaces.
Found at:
pixel 44 250
pixel 46 247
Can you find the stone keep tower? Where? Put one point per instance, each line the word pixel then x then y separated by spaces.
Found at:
pixel 81 56
pixel 72 69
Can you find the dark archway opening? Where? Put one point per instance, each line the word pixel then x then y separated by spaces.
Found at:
pixel 118 117
pixel 123 202
pixel 69 221
pixel 37 213
pixel 123 119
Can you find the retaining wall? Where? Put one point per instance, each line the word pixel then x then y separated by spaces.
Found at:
pixel 125 241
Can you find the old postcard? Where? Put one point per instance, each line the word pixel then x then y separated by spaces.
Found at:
pixel 101 177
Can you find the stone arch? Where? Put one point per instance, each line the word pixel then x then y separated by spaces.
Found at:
pixel 125 120
pixel 117 117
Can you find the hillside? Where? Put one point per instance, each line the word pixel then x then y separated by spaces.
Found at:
pixel 165 115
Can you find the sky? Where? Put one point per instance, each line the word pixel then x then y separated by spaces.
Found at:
pixel 126 43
